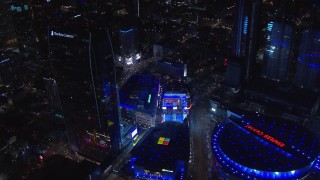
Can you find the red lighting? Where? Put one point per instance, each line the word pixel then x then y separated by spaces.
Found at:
pixel 41 157
pixel 225 62
pixel 165 143
pixel 188 108
pixel 265 136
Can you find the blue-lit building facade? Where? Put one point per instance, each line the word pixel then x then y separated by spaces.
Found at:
pixel 139 99
pixel 87 90
pixel 162 155
pixel 175 106
pixel 308 64
pixel 249 146
pixel 8 36
pixel 277 51
pixel 246 30
pixel 129 54
pixel 241 32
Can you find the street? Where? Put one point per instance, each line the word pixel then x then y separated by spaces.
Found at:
pixel 200 135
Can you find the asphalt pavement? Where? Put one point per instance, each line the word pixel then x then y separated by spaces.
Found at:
pixel 200 132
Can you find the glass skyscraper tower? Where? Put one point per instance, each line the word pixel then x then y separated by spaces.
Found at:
pixel 277 51
pixel 308 65
pixel 82 65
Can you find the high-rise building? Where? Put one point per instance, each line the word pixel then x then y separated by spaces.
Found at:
pixel 21 11
pixel 253 37
pixel 308 65
pixel 277 51
pixel 83 68
pixel 8 36
pixel 246 32
pixel 53 94
pixel 241 29
pixel 129 54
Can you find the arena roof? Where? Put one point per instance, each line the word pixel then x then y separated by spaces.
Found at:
pixel 264 147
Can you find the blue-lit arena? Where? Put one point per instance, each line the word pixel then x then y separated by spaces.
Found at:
pixel 252 147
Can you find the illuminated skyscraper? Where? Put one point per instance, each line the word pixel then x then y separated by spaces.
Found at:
pixel 8 36
pixel 129 54
pixel 246 32
pixel 127 39
pixel 277 51
pixel 241 29
pixel 308 65
pixel 82 65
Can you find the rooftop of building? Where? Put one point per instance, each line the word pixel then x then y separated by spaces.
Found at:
pixel 258 144
pixel 174 86
pixel 163 147
pixel 140 93
pixel 172 62
pixel 285 93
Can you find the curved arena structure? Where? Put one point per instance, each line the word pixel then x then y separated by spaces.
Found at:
pixel 251 147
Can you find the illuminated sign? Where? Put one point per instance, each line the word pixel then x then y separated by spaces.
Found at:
pixel 70 36
pixel 135 132
pixel 166 170
pixel 163 141
pixel 265 136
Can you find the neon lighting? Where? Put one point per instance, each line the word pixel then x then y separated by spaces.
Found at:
pixel 135 132
pixel 280 43
pixel 166 170
pixel 4 60
pixel 311 65
pixel 125 31
pixel 245 25
pixel 265 136
pixel 188 108
pixel 270 26
pixel 149 98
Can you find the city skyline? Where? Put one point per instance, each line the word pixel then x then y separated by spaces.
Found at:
pixel 173 89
